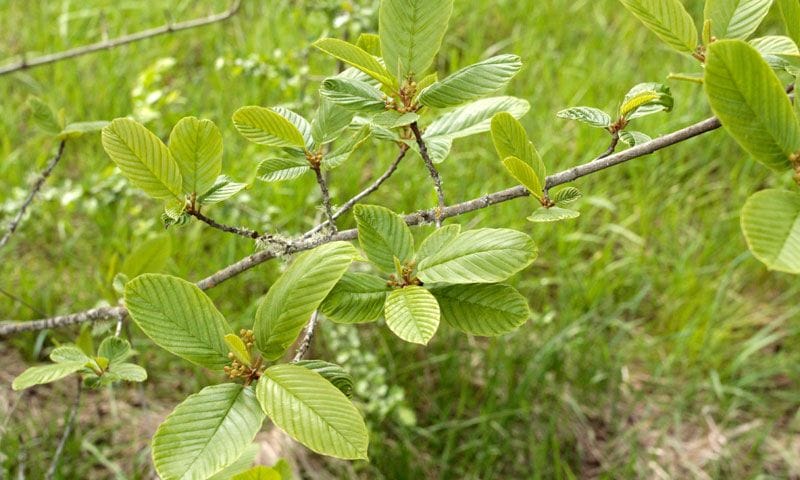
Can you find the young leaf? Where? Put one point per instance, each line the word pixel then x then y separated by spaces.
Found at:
pixel 179 318
pixel 143 158
pixel 394 119
pixel 353 95
pixel 475 117
pixel 300 123
pixel 412 314
pixel 223 189
pixel 370 43
pixel 790 12
pixel 472 82
pixel 207 432
pixel 437 240
pixel 668 19
pixel 45 374
pixel 265 126
pixel 292 299
pixel 588 115
pixel 312 411
pixel 552 214
pixel 383 236
pixel 238 348
pixel 771 225
pixel 148 257
pixel 129 372
pixel 357 298
pixel 632 138
pixel 511 140
pixel 485 310
pixel 331 120
pixel 411 33
pixel 338 376
pixel 196 145
pixel 115 349
pixel 78 129
pixel 566 195
pixel 43 116
pixel 751 103
pixel 68 353
pixel 355 56
pixel 281 169
pixel 524 174
pixel 486 255
pixel 646 99
pixel 735 18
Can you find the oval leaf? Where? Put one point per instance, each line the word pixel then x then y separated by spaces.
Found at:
pixel 383 236
pixel 357 298
pixel 524 174
pixel 553 214
pixel 357 57
pixel 353 94
pixel 472 82
pixel 412 314
pixel 338 376
pixel 45 374
pixel 475 117
pixel 267 127
pixel 668 19
pixel 437 240
pixel 588 115
pixel 196 146
pixel 735 18
pixel 486 310
pixel 281 169
pixel 511 140
pixel 771 226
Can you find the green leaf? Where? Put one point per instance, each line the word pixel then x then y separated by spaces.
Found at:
pixel 312 411
pixel 775 49
pixel 437 240
pixel 241 465
pixel 338 376
pixel 259 472
pixel 411 33
pixel 370 43
pixel 566 195
pixel 45 374
pixel 238 348
pixel 148 257
pixel 394 119
pixel 751 103
pixel 68 353
pixel 43 116
pixel 115 349
pixel 790 12
pixel 646 99
pixel 129 372
pixel 412 314
pixel 143 158
pixel 552 214
pixel 265 126
pixel 300 123
pixel 297 293
pixel 281 169
pixel 668 19
pixel 331 120
pixel 78 129
pixel 633 138
pixel 207 432
pixel 357 298
pixel 85 341
pixel 475 117
pixel 472 82
pixel 511 140
pixel 735 18
pixel 771 226
pixel 196 145
pixel 588 115
pixel 355 56
pixel 524 174
pixel 383 235
pixel 345 150
pixel 179 318
pixel 223 189
pixel 486 255
pixel 486 310
pixel 353 94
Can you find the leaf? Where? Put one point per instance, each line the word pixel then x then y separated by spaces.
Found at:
pixel 353 94
pixel 43 116
pixel 668 19
pixel 588 115
pixel 45 374
pixel 331 120
pixel 357 298
pixel 486 255
pixel 129 372
pixel 524 174
pixel 281 169
pixel 259 472
pixel 552 214
pixel 78 129
pixel 179 318
pixel 370 43
pixel 394 119
pixel 338 376
pixel 345 150
pixel 68 353
pixel 238 348
pixel 143 158
pixel 267 127
pixel 633 138
pixel 774 48
pixel 196 146
pixel 115 349
pixel 475 117
pixel 511 140
pixel 223 189
pixel 206 432
pixel 241 465
pixel 566 195
pixel 751 103
pixel 790 12
pixel 646 99
pixel 300 123
pixel 148 257
pixel 472 82
pixel 292 299
pixel 486 310
pixel 735 18
pixel 355 56
pixel 437 240
pixel 411 33
pixel 412 314
pixel 438 148
pixel 383 235
pixel 771 225
pixel 312 411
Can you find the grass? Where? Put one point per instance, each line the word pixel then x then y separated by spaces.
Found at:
pixel 659 348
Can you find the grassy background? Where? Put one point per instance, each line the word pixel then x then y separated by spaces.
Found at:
pixel 659 348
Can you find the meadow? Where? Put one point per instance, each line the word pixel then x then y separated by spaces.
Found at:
pixel 658 348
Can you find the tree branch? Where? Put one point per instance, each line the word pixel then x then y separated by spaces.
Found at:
pixel 326 197
pixel 437 179
pixel 37 185
pixel 417 218
pixel 169 27
pixel 241 231
pixel 305 343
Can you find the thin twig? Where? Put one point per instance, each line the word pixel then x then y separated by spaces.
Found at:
pixel 305 343
pixel 67 430
pixel 241 231
pixel 612 147
pixel 105 44
pixel 437 179
pixel 326 197
pixel 37 185
pixel 417 218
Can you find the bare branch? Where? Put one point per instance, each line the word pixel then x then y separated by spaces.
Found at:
pixel 106 44
pixel 37 185
pixel 305 343
pixel 437 179
pixel 326 197
pixel 67 430
pixel 417 218
pixel 241 231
